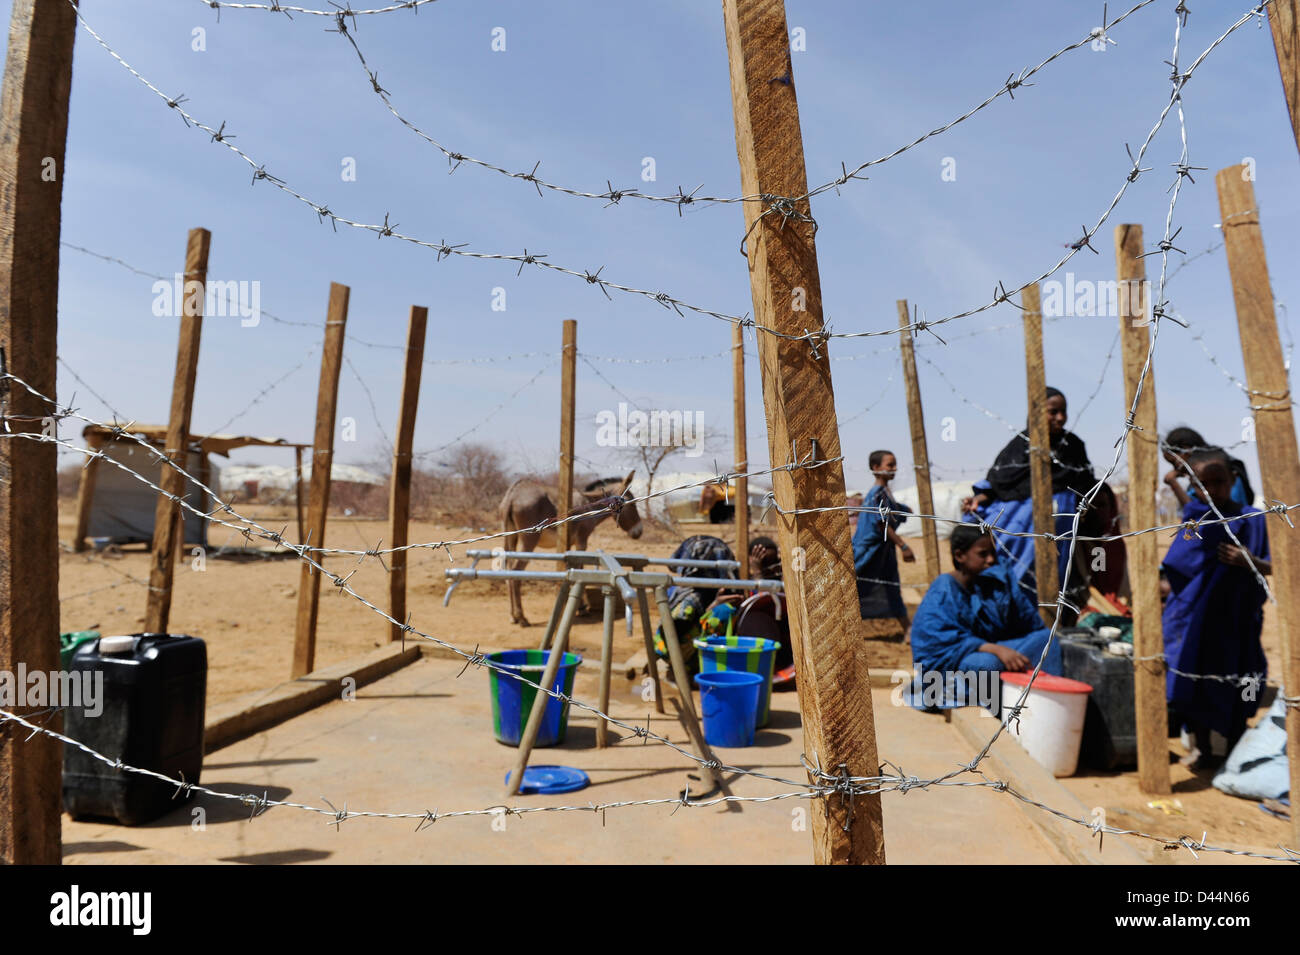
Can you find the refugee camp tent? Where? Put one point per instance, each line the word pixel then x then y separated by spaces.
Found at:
pixel 115 505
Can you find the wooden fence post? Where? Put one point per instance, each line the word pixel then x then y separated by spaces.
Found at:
pixel 1046 568
pixel 399 496
pixel 297 489
pixel 741 446
pixel 85 499
pixel 33 134
pixel 168 521
pixel 1284 23
pixel 834 683
pixel 322 460
pixel 1143 555
pixel 568 379
pixel 920 446
pixel 1270 399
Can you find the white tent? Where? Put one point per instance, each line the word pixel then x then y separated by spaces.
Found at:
pixel 683 503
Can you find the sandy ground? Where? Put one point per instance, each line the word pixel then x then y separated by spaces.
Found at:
pixel 245 611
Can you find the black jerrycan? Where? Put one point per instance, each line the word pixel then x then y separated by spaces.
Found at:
pixel 154 686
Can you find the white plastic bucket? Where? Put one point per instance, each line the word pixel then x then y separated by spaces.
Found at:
pixel 1051 722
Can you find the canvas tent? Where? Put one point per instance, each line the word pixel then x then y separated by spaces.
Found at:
pixel 115 505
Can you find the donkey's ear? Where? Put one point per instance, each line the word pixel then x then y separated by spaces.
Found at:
pixel 627 482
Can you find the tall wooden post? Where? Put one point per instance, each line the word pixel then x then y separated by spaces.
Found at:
pixel 1284 22
pixel 33 132
pixel 920 447
pixel 85 500
pixel 322 460
pixel 167 521
pixel 1270 399
pixel 834 683
pixel 742 447
pixel 1046 567
pixel 1143 555
pixel 568 379
pixel 297 489
pixel 399 493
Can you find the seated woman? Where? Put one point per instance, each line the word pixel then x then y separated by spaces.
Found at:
pixel 1003 499
pixel 758 613
pixel 973 623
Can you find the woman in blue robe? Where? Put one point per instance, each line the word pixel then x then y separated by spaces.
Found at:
pixel 1003 499
pixel 1213 611
pixel 975 619
pixel 874 541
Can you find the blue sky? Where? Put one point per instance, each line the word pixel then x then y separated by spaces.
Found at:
pixel 590 91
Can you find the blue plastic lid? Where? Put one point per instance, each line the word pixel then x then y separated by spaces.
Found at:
pixel 552 779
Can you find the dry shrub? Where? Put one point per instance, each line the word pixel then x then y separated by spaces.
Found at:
pixel 464 487
pixel 359 500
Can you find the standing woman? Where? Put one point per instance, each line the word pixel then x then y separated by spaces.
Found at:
pixel 1003 499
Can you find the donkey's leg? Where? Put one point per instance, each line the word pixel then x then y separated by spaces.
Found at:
pixel 512 586
pixel 527 542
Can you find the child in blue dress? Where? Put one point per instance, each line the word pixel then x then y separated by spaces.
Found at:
pixel 874 542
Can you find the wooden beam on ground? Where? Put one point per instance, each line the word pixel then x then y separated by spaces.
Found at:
pixel 568 380
pixel 920 446
pixel 1284 23
pixel 799 401
pixel 1046 568
pixel 741 447
pixel 399 492
pixel 327 396
pixel 1143 555
pixel 33 135
pixel 1271 402
pixel 167 521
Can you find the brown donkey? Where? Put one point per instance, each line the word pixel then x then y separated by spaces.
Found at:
pixel 528 504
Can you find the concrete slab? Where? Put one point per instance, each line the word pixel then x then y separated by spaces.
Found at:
pixel 420 739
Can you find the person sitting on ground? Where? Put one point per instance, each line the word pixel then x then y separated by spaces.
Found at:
pixel 976 619
pixel 874 541
pixel 1213 611
pixel 1004 499
pixel 759 613
pixel 1106 560
pixel 688 605
pixel 1181 442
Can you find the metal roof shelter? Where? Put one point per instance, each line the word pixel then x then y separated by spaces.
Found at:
pixel 115 505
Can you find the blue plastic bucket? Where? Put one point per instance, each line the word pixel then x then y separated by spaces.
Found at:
pixel 729 701
pixel 512 701
pixel 746 654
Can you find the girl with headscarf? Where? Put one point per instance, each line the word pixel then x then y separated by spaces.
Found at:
pixel 1182 442
pixel 1003 499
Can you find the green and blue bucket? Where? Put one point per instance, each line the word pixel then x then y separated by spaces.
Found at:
pixel 719 654
pixel 512 700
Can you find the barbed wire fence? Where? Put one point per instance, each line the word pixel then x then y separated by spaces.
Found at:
pixel 820 783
